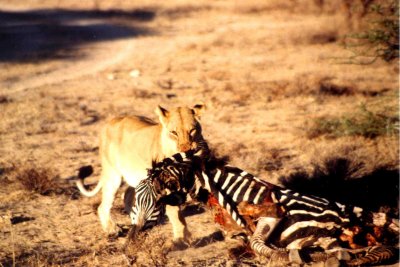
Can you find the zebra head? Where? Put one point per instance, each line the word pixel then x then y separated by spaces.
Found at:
pixel 173 177
pixel 177 176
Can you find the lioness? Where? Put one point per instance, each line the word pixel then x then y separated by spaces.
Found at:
pixel 128 145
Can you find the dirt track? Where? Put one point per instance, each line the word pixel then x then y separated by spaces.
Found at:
pixel 260 68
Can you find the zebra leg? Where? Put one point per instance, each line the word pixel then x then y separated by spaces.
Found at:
pixel 181 233
pixel 263 230
pixel 375 255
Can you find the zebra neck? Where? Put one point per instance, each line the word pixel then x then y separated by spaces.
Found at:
pixel 212 185
pixel 230 186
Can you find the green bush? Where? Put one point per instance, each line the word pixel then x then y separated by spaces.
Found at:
pixel 364 123
pixel 380 39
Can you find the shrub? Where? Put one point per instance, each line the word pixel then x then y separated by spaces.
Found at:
pixel 380 39
pixel 364 123
pixel 37 180
pixel 149 248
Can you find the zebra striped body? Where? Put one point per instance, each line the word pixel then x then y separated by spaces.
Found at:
pixel 306 222
pixel 311 221
pixel 295 221
pixel 303 215
pixel 141 204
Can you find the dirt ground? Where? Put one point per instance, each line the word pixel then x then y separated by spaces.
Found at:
pixel 265 69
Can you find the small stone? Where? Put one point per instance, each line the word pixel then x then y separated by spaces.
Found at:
pixel 111 76
pixel 134 73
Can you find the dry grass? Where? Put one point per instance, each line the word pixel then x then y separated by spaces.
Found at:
pixel 38 257
pixel 378 117
pixel 40 180
pixel 148 249
pixel 37 180
pixel 365 123
pixel 264 82
pixel 362 175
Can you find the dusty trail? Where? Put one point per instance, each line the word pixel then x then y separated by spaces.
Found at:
pixel 93 63
pixel 85 59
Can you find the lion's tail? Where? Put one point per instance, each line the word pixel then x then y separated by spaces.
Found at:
pixel 84 172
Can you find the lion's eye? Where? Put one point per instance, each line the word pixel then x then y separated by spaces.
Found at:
pixel 174 133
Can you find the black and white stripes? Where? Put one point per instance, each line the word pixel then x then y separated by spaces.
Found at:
pixel 141 203
pixel 309 221
pixel 294 222
pixel 231 186
pixel 304 215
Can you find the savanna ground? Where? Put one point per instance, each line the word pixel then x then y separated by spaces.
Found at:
pixel 282 104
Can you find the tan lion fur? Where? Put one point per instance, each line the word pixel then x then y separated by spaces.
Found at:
pixel 128 145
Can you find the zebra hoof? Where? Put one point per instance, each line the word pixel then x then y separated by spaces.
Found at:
pixel 242 236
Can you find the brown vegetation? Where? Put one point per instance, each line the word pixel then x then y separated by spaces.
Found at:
pixel 279 105
pixel 37 180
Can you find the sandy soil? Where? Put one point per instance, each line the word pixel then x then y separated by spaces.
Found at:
pixel 261 68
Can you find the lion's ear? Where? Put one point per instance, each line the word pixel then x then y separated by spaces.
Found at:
pixel 163 114
pixel 199 109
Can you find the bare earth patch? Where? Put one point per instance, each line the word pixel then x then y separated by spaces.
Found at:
pixel 267 70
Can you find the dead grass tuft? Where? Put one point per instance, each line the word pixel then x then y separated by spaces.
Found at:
pixel 324 38
pixel 43 181
pixel 328 88
pixel 5 99
pixel 148 249
pixel 38 180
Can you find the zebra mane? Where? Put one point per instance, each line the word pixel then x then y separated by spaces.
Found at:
pixel 213 162
pixel 183 159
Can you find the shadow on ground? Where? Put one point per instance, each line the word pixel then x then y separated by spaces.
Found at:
pixel 333 180
pixel 211 238
pixel 34 35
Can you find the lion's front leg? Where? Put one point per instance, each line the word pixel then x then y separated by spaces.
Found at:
pixel 181 233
